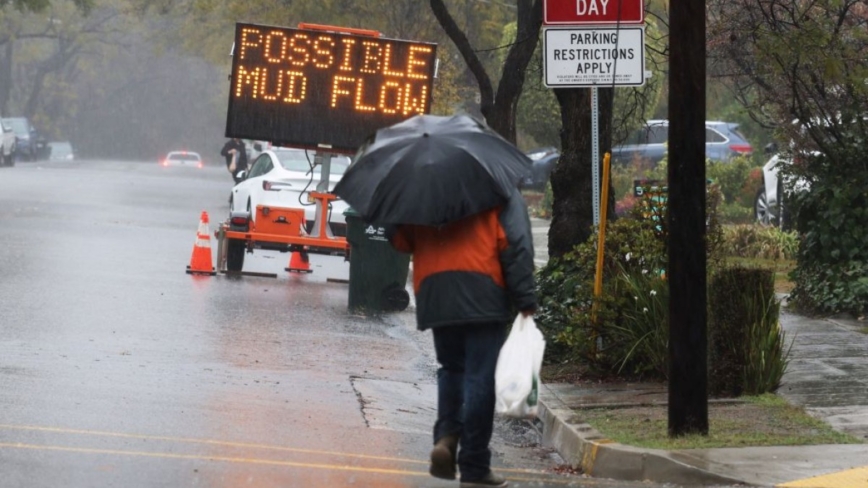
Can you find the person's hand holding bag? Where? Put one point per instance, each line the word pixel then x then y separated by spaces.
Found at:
pixel 516 376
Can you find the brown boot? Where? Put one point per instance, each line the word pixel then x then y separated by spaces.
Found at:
pixel 490 480
pixel 443 457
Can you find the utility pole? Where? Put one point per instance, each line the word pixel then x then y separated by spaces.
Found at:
pixel 688 377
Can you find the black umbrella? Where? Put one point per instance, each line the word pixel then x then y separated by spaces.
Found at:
pixel 431 170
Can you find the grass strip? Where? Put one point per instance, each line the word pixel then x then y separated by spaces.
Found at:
pixel 764 420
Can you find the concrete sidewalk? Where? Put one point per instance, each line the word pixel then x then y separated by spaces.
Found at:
pixel 827 375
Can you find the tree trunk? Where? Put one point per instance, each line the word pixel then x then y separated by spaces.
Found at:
pixel 572 210
pixel 6 78
pixel 36 85
pixel 499 108
pixel 501 118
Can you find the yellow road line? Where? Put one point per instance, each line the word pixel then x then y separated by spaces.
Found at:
pixel 851 478
pixel 214 442
pixel 334 467
pixel 243 460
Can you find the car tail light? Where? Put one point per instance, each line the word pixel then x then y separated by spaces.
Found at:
pixel 164 162
pixel 199 165
pixel 741 148
pixel 275 185
pixel 239 220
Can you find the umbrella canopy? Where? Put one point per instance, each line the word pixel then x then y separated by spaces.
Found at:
pixel 432 170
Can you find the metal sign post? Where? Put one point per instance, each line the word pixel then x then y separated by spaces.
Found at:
pixel 324 160
pixel 595 153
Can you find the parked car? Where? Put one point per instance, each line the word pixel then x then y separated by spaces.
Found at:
pixel 7 144
pixel 723 141
pixel 544 160
pixel 29 143
pixel 60 151
pixel 769 205
pixel 182 158
pixel 283 177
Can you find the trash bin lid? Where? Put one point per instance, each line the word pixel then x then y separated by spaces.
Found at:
pixel 350 212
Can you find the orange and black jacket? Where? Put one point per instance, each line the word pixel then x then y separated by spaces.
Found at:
pixel 476 270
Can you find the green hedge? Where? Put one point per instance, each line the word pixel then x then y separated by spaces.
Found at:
pixel 746 345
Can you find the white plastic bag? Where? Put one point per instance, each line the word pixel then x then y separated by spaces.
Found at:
pixel 516 378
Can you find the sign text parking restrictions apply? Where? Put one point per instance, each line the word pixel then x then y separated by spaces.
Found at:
pixel 588 57
pixel 304 88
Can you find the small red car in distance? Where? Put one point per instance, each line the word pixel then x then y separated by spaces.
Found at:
pixel 182 158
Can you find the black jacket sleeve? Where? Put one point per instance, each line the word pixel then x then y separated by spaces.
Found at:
pixel 517 259
pixel 226 147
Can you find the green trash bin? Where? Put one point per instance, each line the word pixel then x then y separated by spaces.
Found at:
pixel 378 273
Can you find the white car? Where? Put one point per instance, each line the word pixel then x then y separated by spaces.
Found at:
pixel 769 202
pixel 60 151
pixel 283 177
pixel 7 144
pixel 182 158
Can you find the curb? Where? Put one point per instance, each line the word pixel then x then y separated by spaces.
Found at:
pixel 583 447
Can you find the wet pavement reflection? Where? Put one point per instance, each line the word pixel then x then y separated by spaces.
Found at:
pixel 118 369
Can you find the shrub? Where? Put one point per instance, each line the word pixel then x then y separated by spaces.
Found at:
pixel 732 177
pixel 565 290
pixel 573 320
pixel 623 175
pixel 767 356
pixel 754 182
pixel 638 343
pixel 613 332
pixel 746 344
pixel 831 273
pixel 738 181
pixel 565 286
pixel 735 213
pixel 759 242
pixel 714 245
pixel 625 205
pixel 547 201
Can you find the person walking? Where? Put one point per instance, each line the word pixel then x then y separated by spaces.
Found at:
pixel 469 277
pixel 234 149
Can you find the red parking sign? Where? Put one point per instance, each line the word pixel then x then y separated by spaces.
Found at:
pixel 578 12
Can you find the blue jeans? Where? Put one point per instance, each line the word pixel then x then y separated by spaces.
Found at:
pixel 465 391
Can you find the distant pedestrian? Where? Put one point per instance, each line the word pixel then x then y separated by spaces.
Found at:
pixel 235 153
pixel 469 277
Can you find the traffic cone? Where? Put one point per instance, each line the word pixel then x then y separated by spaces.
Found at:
pixel 299 262
pixel 200 262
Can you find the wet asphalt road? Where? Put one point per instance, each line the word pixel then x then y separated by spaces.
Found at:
pixel 119 369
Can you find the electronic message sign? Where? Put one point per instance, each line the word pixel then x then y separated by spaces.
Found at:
pixel 311 87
